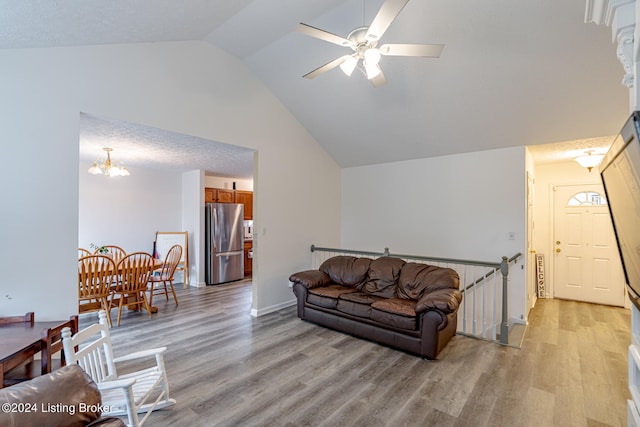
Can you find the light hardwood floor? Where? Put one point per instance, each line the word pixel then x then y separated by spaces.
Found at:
pixel 229 369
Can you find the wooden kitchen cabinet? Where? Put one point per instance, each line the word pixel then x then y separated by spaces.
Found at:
pixel 226 196
pixel 209 195
pixel 222 195
pixel 245 198
pixel 219 195
pixel 248 261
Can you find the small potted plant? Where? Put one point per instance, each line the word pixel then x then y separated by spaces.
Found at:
pixel 99 249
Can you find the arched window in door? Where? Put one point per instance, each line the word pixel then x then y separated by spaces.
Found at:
pixel 587 198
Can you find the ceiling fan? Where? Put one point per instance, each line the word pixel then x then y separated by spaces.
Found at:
pixel 364 42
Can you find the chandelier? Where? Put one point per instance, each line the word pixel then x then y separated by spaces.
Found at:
pixel 108 167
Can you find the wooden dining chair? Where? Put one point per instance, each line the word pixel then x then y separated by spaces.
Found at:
pixel 51 345
pixel 95 278
pixel 115 252
pixel 83 252
pixel 159 280
pixel 134 270
pixel 27 318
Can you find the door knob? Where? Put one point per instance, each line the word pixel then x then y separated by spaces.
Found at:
pixel 557 242
pixel 558 250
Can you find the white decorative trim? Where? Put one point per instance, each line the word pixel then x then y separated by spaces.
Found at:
pixel 625 56
pixel 603 11
pixel 595 11
pixel 620 15
pixel 613 7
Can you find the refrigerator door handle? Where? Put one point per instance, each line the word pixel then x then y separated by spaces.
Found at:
pixel 219 254
pixel 214 228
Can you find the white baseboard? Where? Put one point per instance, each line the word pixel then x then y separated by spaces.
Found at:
pixel 197 285
pixel 516 321
pixel 271 309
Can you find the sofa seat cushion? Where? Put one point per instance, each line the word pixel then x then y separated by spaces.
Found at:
pixel 357 303
pixel 396 312
pixel 327 296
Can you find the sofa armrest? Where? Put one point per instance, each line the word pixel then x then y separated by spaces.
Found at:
pixel 311 278
pixel 445 300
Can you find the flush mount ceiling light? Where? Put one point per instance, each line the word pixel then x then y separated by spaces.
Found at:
pixel 108 167
pixel 589 160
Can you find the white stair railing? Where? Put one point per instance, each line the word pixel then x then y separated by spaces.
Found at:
pixel 483 312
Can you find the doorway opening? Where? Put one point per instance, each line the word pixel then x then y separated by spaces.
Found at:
pixel 570 227
pixel 164 191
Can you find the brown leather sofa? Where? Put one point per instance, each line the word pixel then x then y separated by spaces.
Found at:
pixel 67 397
pixel 409 306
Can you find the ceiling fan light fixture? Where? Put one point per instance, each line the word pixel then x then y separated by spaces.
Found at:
pixel 372 56
pixel 372 70
pixel 364 41
pixel 349 65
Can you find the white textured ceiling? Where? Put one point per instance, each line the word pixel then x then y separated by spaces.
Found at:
pixel 143 146
pixel 513 72
pixel 568 150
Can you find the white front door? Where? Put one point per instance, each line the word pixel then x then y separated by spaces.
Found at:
pixel 586 258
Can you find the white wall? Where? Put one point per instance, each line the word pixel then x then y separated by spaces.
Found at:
pixel 193 222
pixel 530 242
pixel 185 87
pixel 225 182
pixel 127 211
pixel 459 206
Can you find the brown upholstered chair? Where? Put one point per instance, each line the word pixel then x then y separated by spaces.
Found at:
pixel 68 387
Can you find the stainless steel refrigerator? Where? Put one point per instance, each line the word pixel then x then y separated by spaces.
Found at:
pixel 224 242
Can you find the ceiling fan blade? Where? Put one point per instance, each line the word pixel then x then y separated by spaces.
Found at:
pixel 428 50
pixel 326 67
pixel 378 80
pixel 323 35
pixel 387 13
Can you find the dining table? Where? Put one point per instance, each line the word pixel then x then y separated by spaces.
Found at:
pixel 19 342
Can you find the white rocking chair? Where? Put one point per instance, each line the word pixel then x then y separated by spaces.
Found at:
pixel 126 394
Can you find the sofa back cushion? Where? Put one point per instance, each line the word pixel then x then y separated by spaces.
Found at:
pixel 383 276
pixel 416 279
pixel 347 270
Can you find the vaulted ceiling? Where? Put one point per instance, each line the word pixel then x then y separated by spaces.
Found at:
pixel 512 73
